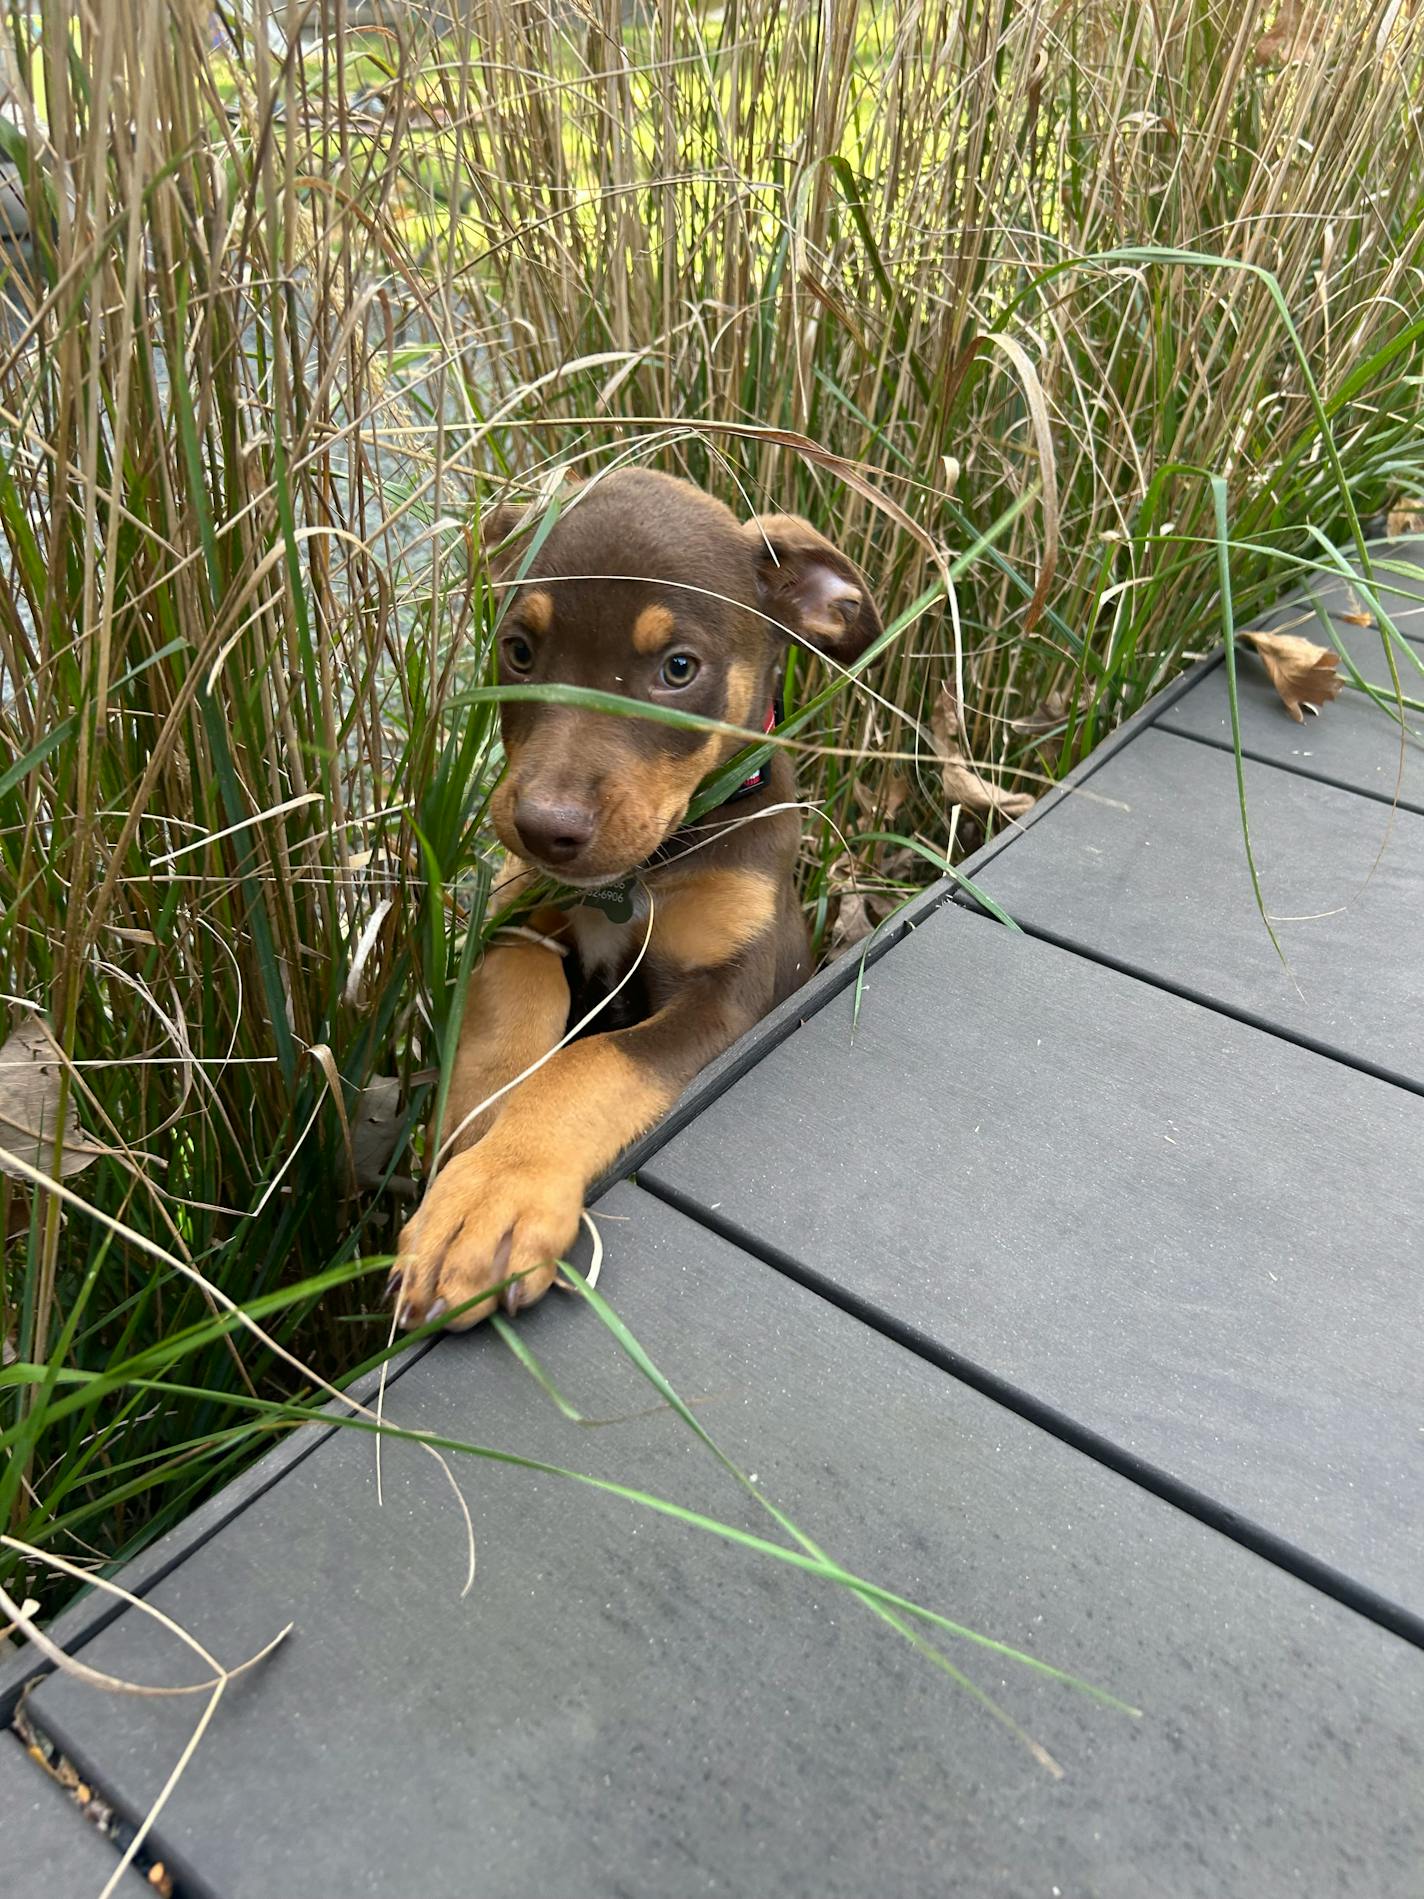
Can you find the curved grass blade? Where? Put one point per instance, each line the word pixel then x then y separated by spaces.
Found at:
pixel 1228 630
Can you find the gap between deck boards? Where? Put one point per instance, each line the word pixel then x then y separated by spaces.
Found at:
pixel 1393 802
pixel 1206 1509
pixel 1155 980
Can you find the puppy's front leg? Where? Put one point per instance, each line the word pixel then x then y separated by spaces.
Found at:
pixel 516 1009
pixel 508 1209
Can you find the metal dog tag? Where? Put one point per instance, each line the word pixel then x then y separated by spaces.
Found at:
pixel 616 901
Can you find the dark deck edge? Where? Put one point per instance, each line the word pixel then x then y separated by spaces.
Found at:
pixel 773 1029
pixel 133 1879
pixel 188 1882
pixel 92 1612
pixel 1207 1510
pixel 1401 803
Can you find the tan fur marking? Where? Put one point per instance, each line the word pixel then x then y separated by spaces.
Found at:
pixel 536 610
pixel 643 799
pixel 577 1115
pixel 652 802
pixel 704 922
pixel 510 1206
pixel 741 684
pixel 652 629
pixel 515 1011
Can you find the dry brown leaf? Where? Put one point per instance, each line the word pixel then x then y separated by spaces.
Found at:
pixel 1405 517
pixel 374 1128
pixel 1046 717
pixel 860 907
pixel 962 783
pixel 1303 673
pixel 1298 26
pixel 29 1104
pixel 853 922
pixel 882 802
pixel 1358 619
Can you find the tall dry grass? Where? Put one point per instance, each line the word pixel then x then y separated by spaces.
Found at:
pixel 290 307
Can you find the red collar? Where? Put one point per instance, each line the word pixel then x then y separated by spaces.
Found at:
pixel 763 772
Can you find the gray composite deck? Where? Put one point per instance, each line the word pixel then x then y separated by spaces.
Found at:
pixel 46 1845
pixel 1067 1282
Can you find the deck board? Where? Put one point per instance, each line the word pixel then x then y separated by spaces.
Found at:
pixel 1145 867
pixel 1353 743
pixel 48 1850
pixel 1323 605
pixel 625 1707
pixel 1188 1236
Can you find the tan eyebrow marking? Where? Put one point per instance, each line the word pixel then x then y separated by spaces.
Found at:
pixel 651 628
pixel 536 610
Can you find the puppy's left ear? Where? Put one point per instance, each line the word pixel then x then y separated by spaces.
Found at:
pixel 810 587
pixel 500 537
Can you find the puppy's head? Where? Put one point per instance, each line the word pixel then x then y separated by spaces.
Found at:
pixel 648 588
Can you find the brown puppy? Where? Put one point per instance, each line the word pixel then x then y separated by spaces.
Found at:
pixel 648 588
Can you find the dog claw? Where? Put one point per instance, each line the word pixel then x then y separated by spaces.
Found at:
pixel 513 1297
pixel 392 1281
pixel 437 1310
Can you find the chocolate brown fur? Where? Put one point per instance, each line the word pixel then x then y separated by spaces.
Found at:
pixel 639 573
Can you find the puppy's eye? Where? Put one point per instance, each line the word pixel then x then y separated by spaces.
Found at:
pixel 679 669
pixel 518 654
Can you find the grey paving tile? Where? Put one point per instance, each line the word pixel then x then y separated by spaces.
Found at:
pixel 1191 1238
pixel 1353 743
pixel 1146 867
pixel 48 1850
pixel 623 1706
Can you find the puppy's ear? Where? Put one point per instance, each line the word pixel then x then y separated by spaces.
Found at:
pixel 810 587
pixel 503 529
pixel 500 537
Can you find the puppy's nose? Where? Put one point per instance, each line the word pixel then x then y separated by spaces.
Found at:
pixel 554 833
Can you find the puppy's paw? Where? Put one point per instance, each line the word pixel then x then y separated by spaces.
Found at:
pixel 485 1226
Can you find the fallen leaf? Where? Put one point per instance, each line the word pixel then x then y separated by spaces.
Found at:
pixel 1405 517
pixel 375 1127
pixel 962 783
pixel 861 907
pixel 1358 619
pixel 1045 717
pixel 1297 27
pixel 853 922
pixel 1303 673
pixel 29 1104
pixel 882 801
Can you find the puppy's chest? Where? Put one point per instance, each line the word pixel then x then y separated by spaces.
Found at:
pixel 605 948
pixel 603 955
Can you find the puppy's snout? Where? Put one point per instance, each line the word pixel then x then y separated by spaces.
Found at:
pixel 555 833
